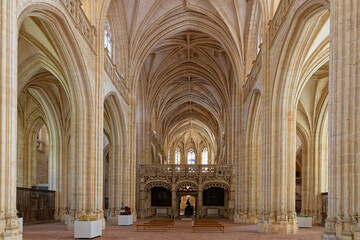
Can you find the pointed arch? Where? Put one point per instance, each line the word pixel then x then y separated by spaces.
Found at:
pixel 73 73
pixel 251 169
pixel 115 121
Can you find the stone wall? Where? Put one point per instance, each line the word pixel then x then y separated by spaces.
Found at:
pixel 42 157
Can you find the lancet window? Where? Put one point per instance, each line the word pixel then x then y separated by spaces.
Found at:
pixel 191 156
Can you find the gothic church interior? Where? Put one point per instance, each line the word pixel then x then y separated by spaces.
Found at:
pixel 245 111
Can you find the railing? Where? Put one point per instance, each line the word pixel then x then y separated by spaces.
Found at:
pixel 82 23
pixel 274 26
pixel 185 170
pixel 35 205
pixel 117 79
pixel 156 142
pixel 279 17
pixel 251 77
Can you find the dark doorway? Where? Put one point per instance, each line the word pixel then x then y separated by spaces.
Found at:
pixel 184 201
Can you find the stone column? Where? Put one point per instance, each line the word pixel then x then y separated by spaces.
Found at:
pixel 199 207
pixel 142 200
pixel 277 164
pixel 130 165
pixel 116 173
pixel 232 196
pixel 86 140
pixel 344 121
pixel 9 224
pixel 312 178
pixel 174 202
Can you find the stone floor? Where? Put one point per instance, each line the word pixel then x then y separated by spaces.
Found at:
pixel 182 230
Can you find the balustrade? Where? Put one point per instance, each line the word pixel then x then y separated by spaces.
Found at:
pixel 251 77
pixel 117 78
pixel 185 169
pixel 82 22
pixel 279 17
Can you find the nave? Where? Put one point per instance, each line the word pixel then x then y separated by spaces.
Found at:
pixel 247 111
pixel 182 230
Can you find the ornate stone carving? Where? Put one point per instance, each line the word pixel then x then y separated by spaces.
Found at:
pixel 109 67
pixel 83 23
pixel 157 144
pixel 85 26
pixel 158 184
pixel 186 187
pixel 279 18
pixel 117 78
pixel 185 178
pixel 212 174
pixel 216 184
pixel 70 6
pixel 251 77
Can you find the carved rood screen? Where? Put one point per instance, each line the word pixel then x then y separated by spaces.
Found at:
pixel 182 177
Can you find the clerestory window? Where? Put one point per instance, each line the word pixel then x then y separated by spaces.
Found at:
pixel 107 38
pixel 191 156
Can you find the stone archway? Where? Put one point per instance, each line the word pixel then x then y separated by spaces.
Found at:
pixel 159 205
pixel 183 198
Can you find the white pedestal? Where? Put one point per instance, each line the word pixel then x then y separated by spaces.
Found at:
pixel 125 220
pixel 67 219
pixel 305 222
pixel 21 224
pixel 87 229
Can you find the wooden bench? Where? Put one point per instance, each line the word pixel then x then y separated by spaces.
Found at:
pixel 156 224
pixel 207 225
pixel 153 226
pixel 205 221
pixel 170 222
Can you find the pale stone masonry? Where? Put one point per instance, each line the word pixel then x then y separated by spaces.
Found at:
pixel 9 225
pixel 262 96
pixel 344 114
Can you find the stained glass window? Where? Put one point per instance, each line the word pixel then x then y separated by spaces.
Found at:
pixel 204 157
pixel 107 38
pixel 169 157
pixel 177 156
pixel 191 156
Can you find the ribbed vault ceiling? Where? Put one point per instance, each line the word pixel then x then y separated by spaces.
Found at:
pixel 189 78
pixel 192 56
